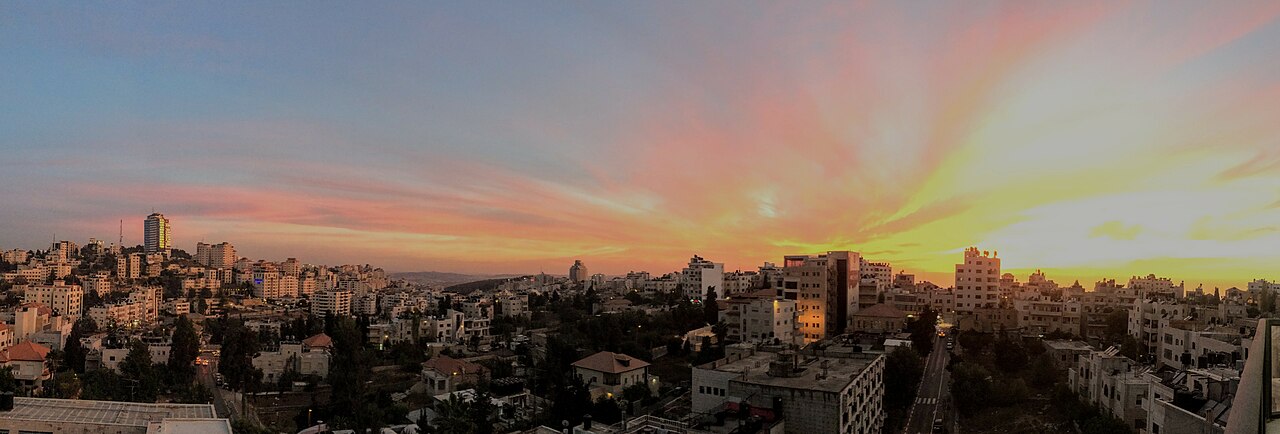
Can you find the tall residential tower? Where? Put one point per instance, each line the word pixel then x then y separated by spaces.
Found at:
pixel 156 234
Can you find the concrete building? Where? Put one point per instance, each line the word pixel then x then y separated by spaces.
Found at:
pixel 763 319
pixel 578 272
pixel 825 289
pixel 220 256
pixel 840 393
pixel 1116 384
pixel 309 357
pixel 977 281
pixel 63 299
pixel 335 302
pixel 607 374
pixel 1156 287
pixel 27 361
pixel 1196 401
pixel 701 276
pixel 1066 354
pixel 157 235
pixel 74 416
pixel 444 374
pixel 879 318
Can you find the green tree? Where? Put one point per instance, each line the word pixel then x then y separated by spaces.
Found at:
pixel 73 352
pixel 970 387
pixel 348 369
pixel 1010 355
pixel 185 349
pixel 139 373
pixel 65 385
pixel 1043 372
pixel 1117 324
pixel 710 309
pixel 239 345
pixel 7 382
pixel 903 370
pixel 923 330
pixel 453 416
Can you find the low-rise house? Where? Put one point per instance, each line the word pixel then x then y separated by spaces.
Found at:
pixel 607 374
pixel 26 359
pixel 444 374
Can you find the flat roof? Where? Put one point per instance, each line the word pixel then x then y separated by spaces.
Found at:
pixel 103 412
pixel 190 426
pixel 1068 345
pixel 840 371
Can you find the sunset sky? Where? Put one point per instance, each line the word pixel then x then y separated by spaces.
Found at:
pixel 1088 139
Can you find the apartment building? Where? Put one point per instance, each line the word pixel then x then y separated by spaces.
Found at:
pixel 1116 384
pixel 62 298
pixel 700 276
pixel 760 318
pixel 825 289
pixel 977 281
pixel 836 393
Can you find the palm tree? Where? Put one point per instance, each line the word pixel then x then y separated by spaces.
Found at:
pixel 453 416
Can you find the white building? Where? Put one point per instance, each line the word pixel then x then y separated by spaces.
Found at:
pixel 700 276
pixel 335 302
pixel 977 281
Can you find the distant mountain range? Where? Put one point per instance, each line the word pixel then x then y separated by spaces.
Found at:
pixel 443 279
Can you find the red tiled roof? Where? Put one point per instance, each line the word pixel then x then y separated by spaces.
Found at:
pixel 26 351
pixel 612 363
pixel 448 365
pixel 881 311
pixel 318 341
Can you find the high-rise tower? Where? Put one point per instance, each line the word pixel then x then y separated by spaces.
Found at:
pixel 156 234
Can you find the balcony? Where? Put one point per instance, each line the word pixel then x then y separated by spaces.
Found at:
pixel 1257 403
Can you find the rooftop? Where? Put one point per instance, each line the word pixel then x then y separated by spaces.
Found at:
pixel 608 362
pixel 840 370
pixel 103 412
pixel 1068 345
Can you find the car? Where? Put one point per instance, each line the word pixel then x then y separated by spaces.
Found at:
pixel 937 425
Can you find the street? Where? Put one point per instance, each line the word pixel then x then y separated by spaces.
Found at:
pixel 933 400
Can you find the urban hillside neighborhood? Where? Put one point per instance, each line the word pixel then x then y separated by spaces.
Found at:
pixel 152 338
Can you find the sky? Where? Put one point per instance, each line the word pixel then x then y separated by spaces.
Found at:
pixel 1087 139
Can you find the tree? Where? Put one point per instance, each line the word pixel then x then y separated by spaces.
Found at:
pixel 453 416
pixel 185 348
pixel 903 370
pixel 636 392
pixel 239 346
pixel 1010 356
pixel 73 352
pixel 1117 324
pixel 7 382
pixel 348 370
pixel 65 385
pixel 139 373
pixel 710 309
pixel 1043 372
pixel 970 387
pixel 923 331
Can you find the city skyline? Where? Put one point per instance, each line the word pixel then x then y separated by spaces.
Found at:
pixel 1109 140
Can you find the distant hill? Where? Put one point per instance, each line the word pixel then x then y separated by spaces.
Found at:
pixel 442 279
pixel 481 285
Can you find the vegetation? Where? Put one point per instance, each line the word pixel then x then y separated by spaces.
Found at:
pixel 1003 384
pixel 903 370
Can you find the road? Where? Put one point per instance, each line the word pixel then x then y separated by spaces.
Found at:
pixel 933 400
pixel 225 402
